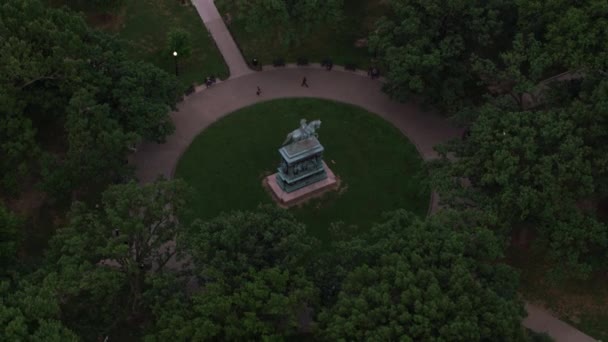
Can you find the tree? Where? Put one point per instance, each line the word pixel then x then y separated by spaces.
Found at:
pixel 290 20
pixel 523 68
pixel 11 236
pixel 52 78
pixel 424 280
pixel 97 149
pixel 252 283
pixel 180 41
pixel 535 168
pixel 427 47
pixel 105 256
pixel 31 313
pixel 232 244
pixel 574 32
pixel 264 305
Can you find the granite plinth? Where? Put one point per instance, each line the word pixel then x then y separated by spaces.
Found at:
pixel 288 199
pixel 301 165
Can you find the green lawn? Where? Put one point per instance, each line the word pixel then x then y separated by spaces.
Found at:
pixel 583 304
pixel 335 41
pixel 379 168
pixel 143 25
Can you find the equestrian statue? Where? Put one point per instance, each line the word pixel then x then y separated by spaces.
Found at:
pixel 304 132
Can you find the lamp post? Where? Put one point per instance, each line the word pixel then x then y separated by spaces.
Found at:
pixel 175 55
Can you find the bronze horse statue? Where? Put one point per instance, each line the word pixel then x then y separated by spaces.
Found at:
pixel 305 131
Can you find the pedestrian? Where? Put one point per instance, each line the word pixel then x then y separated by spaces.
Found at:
pixel 375 73
pixel 259 91
pixel 304 83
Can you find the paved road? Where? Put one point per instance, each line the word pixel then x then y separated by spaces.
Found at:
pixel 198 111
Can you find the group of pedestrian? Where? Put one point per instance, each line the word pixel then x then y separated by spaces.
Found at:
pixel 304 83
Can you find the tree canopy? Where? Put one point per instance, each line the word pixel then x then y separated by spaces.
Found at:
pixel 427 47
pixel 68 96
pixel 424 280
pixel 538 168
pixel 288 20
pixel 249 266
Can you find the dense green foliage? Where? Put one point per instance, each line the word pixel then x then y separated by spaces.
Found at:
pixel 445 51
pixel 528 79
pixel 96 268
pixel 72 104
pixel 10 239
pixel 427 46
pixel 537 168
pixel 344 39
pixel 536 156
pixel 423 280
pixel 296 18
pixel 406 279
pixel 250 267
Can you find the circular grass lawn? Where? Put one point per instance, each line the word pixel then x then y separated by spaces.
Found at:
pixel 379 169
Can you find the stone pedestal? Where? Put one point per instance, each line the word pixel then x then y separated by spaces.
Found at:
pixel 301 165
pixel 304 193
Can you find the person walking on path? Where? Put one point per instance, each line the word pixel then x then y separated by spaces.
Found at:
pixel 304 83
pixel 259 91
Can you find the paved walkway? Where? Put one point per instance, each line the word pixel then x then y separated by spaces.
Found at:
pixel 540 320
pixel 198 111
pixel 215 24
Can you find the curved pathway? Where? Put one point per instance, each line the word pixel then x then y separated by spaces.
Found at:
pixel 424 129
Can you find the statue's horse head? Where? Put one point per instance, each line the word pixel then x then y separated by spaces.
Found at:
pixel 314 125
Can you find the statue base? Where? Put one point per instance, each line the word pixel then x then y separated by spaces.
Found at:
pixel 301 195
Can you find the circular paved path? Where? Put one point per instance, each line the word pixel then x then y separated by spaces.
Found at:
pixel 199 110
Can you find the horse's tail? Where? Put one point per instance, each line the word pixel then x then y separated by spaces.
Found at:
pixel 288 138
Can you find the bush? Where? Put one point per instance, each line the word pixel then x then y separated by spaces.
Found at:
pixel 302 61
pixel 279 62
pixel 350 66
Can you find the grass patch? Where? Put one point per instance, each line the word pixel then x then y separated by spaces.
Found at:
pixel 144 24
pixel 379 168
pixel 583 304
pixel 330 40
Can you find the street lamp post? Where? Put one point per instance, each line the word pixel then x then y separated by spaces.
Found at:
pixel 175 55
